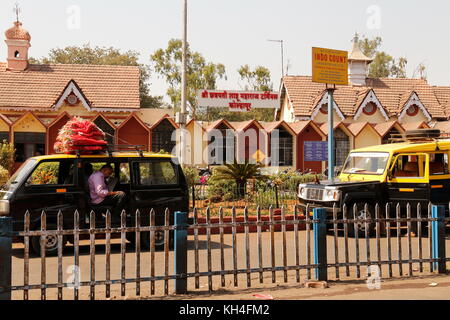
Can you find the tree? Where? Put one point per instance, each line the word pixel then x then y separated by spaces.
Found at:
pixel 383 65
pixel 200 74
pixel 240 173
pixel 105 56
pixel 257 80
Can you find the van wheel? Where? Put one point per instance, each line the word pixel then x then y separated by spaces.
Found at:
pixel 159 240
pixel 361 214
pixel 50 242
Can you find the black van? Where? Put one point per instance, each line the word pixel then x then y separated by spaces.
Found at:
pixel 60 183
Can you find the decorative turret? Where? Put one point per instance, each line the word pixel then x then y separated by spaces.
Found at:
pixel 358 64
pixel 18 42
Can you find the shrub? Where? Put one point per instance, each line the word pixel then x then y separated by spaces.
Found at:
pixel 7 155
pixel 217 189
pixel 46 173
pixel 4 176
pixel 191 174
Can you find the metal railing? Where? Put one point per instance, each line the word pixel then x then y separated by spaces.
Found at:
pixel 223 250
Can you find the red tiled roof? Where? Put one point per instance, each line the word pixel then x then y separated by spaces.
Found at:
pixel 392 93
pixel 385 127
pixel 40 86
pixel 415 125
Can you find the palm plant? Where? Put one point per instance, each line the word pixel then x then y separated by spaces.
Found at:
pixel 240 173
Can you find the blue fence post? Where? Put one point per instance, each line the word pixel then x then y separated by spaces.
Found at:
pixel 438 238
pixel 5 257
pixel 320 244
pixel 180 254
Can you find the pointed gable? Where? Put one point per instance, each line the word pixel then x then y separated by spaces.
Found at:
pixel 414 100
pixel 370 97
pixel 72 88
pixel 29 123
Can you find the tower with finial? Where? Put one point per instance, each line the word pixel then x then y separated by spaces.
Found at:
pixel 18 42
pixel 358 64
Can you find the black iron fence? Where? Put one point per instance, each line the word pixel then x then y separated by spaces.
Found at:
pixel 221 250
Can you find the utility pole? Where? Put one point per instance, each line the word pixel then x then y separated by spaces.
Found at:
pixel 181 116
pixel 281 42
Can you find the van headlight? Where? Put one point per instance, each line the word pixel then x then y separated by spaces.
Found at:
pixel 4 207
pixel 331 195
pixel 302 191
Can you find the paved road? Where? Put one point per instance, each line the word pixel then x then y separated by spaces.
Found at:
pixel 35 263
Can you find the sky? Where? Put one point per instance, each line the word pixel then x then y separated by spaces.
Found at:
pixel 235 32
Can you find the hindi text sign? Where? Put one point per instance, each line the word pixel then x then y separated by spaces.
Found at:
pixel 238 100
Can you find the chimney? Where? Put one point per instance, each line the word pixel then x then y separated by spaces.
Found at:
pixel 358 65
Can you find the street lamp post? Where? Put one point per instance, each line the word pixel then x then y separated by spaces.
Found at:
pixel 181 116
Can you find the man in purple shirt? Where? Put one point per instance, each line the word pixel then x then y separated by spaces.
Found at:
pixel 100 194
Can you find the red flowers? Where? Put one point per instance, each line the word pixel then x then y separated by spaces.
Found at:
pixel 80 135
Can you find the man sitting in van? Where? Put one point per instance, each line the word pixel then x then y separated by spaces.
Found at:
pixel 102 196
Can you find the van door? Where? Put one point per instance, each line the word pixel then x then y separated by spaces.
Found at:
pixel 51 187
pixel 439 178
pixel 408 179
pixel 156 185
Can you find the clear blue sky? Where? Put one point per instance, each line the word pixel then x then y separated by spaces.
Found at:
pixel 235 32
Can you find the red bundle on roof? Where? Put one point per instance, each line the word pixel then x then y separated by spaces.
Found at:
pixel 81 136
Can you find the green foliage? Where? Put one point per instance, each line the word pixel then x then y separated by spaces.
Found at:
pixel 191 174
pixel 221 190
pixel 4 176
pixel 200 74
pixel 240 173
pixel 46 173
pixel 289 180
pixel 104 56
pixel 383 65
pixel 7 155
pixel 257 80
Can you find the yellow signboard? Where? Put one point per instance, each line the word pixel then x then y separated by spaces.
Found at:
pixel 330 66
pixel 259 156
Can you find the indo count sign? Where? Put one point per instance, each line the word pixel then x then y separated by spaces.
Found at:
pixel 330 66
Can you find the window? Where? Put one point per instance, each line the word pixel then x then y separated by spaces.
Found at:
pixel 53 173
pixel 411 166
pixel 439 164
pixel 366 163
pixel 162 137
pixel 412 111
pixel 284 148
pixel 125 176
pixel 370 109
pixel 226 150
pixel 157 173
pixel 341 147
pixel 29 144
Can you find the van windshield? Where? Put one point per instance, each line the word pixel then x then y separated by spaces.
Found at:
pixel 21 174
pixel 366 163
